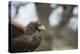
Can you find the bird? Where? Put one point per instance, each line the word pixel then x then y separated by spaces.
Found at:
pixel 25 39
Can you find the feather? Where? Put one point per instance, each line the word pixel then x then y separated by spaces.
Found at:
pixel 25 40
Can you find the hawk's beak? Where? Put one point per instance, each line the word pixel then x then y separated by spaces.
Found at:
pixel 42 27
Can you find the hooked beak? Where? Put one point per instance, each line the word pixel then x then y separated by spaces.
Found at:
pixel 42 27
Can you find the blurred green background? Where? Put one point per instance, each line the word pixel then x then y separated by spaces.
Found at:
pixel 60 36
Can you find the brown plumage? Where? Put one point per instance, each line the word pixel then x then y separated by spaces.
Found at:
pixel 25 39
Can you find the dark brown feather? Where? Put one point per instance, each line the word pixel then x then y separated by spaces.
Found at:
pixel 25 40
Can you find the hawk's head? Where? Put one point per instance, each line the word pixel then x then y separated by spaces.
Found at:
pixel 36 26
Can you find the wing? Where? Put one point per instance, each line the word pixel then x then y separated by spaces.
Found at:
pixel 15 30
pixel 26 43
